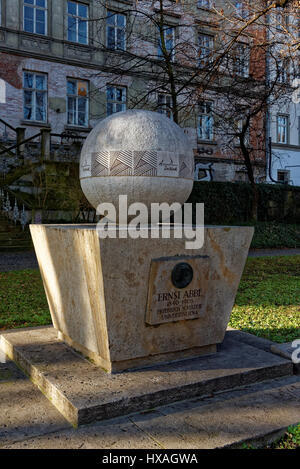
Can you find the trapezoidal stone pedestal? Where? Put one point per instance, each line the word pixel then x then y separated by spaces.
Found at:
pixel 126 303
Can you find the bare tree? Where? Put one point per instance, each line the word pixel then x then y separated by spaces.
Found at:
pixel 162 46
pixel 158 48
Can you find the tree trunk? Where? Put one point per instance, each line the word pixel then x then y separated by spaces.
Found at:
pixel 246 155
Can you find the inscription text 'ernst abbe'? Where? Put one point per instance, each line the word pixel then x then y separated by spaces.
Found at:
pixel 166 303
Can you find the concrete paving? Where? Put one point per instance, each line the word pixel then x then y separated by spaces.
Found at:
pixel 24 410
pixel 256 414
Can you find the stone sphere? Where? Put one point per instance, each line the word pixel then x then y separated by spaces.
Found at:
pixel 141 154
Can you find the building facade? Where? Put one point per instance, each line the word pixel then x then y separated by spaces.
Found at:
pixel 58 74
pixel 283 122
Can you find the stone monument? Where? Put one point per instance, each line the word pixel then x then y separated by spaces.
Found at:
pixel 128 303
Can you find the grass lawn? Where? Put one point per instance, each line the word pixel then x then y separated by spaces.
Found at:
pixel 22 300
pixel 268 299
pixel 267 303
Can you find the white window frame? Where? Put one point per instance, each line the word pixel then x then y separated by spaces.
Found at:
pixel 34 91
pixel 241 9
pixel 241 61
pixel 165 107
pixel 77 97
pixel 35 7
pixel 284 127
pixel 239 126
pixel 208 49
pixel 207 4
pixel 281 19
pixel 116 28
pixel 77 19
pixel 166 27
pixel 284 70
pixel 114 102
pixel 205 118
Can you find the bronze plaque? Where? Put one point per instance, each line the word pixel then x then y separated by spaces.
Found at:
pixel 177 289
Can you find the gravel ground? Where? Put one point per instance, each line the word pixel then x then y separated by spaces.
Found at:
pixel 27 259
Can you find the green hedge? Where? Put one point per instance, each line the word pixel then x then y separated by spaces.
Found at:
pixel 227 202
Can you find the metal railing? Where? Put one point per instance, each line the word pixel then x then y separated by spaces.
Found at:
pixel 45 140
pixel 6 124
pixel 17 145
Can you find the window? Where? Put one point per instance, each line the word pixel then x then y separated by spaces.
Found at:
pixel 205 121
pixel 206 49
pixel 35 16
pixel 35 96
pixel 115 99
pixel 241 60
pixel 116 30
pixel 77 22
pixel 239 127
pixel 164 102
pixel 281 20
pixel 169 39
pixel 283 176
pixel 241 9
pixel 77 102
pixel 205 4
pixel 282 129
pixel 283 70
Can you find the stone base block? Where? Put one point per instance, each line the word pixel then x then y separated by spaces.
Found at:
pixel 84 393
pixel 137 363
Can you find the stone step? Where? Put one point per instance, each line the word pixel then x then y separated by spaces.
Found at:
pixel 84 393
pixel 16 248
pixel 16 245
pixel 24 411
pixel 13 238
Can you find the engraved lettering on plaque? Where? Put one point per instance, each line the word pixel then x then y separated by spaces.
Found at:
pixel 177 289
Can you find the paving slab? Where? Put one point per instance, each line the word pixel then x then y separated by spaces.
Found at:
pixel 290 351
pixel 256 413
pixel 84 393
pixel 118 434
pixel 24 411
pixel 228 420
